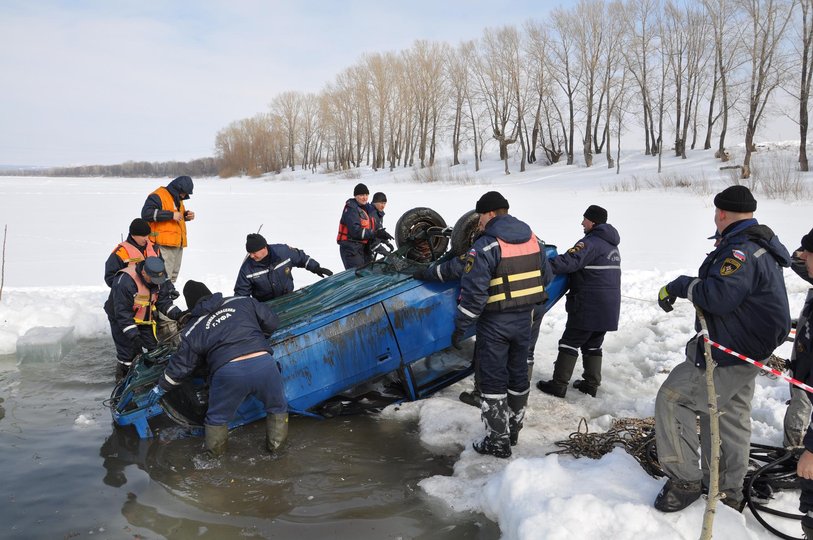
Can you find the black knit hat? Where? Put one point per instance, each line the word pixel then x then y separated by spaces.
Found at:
pixel 194 292
pixel 490 201
pixel 360 189
pixel 255 242
pixel 596 214
pixel 139 227
pixel 807 241
pixel 736 199
pixel 379 197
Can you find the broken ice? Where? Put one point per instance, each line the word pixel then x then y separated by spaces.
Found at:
pixel 45 344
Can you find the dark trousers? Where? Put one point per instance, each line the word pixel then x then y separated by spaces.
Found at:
pixel 588 341
pixel 354 254
pixel 232 383
pixel 125 350
pixel 502 351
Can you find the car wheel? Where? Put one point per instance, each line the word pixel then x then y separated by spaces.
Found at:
pixel 465 232
pixel 421 229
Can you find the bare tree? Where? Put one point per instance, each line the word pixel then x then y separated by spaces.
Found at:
pixel 768 21
pixel 565 72
pixel 287 107
pixel 806 59
pixel 493 74
pixel 641 24
pixel 589 28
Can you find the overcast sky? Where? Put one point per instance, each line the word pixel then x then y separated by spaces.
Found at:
pixel 85 82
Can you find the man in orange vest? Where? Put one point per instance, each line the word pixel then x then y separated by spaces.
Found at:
pixel 137 293
pixel 134 249
pixel 165 212
pixel 357 228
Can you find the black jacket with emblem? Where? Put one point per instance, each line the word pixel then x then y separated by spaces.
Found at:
pixel 593 266
pixel 741 290
pixel 271 277
pixel 220 331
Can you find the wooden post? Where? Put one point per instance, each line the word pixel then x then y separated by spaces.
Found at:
pixel 714 423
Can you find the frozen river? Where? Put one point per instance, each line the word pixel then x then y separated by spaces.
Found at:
pixel 67 472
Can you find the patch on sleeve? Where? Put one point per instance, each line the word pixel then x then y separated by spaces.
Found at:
pixel 469 260
pixel 739 255
pixel 730 266
pixel 578 247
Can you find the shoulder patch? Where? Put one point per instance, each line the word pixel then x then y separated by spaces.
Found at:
pixel 739 255
pixel 730 266
pixel 469 260
pixel 578 247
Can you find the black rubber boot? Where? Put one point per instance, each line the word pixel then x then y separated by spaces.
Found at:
pixel 592 376
pixel 495 418
pixel 276 431
pixel 807 526
pixel 562 371
pixel 216 438
pixel 677 495
pixel 516 414
pixel 121 371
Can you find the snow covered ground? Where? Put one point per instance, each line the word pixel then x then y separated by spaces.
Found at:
pixel 60 231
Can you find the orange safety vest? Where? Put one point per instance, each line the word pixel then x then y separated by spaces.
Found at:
pixel 169 233
pixel 367 222
pixel 519 281
pixel 130 254
pixel 143 301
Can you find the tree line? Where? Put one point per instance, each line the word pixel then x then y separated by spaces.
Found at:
pixel 137 169
pixel 683 74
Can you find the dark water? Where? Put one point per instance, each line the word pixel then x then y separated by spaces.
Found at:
pixel 350 477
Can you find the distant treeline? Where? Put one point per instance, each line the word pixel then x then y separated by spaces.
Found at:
pixel 131 169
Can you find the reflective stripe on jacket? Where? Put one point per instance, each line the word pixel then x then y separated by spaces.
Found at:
pixel 518 280
pixel 169 233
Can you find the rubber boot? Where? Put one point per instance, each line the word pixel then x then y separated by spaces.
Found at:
pixel 516 414
pixel 276 430
pixel 216 438
pixel 121 371
pixel 807 526
pixel 494 413
pixel 562 371
pixel 677 495
pixel 592 376
pixel 473 398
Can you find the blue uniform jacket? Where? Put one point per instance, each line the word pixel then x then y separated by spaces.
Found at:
pixel 119 304
pixel 153 210
pixel 219 331
pixel 741 290
pixel 351 218
pixel 482 261
pixel 594 269
pixel 271 277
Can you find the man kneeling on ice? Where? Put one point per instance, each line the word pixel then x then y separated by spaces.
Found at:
pixel 230 335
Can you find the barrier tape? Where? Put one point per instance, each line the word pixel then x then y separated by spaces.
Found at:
pixel 760 365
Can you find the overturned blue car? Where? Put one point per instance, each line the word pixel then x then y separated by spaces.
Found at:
pixel 370 335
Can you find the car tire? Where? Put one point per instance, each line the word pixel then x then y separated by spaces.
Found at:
pixel 465 232
pixel 413 223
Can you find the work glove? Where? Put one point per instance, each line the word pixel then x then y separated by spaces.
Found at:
pixel 174 294
pixel 665 299
pixel 155 394
pixel 457 338
pixel 322 272
pixel 184 317
pixel 382 234
pixel 419 274
pixel 138 345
